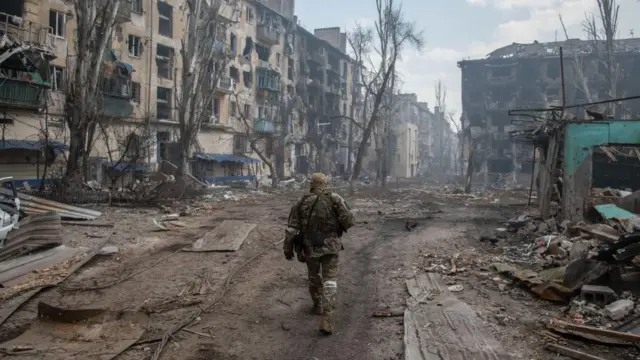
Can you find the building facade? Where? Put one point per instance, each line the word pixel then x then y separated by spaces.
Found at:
pixel 528 76
pixel 270 59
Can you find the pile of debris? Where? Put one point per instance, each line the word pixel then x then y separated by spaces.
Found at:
pixel 32 253
pixel 591 267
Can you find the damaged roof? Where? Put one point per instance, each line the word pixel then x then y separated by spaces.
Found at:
pixel 552 49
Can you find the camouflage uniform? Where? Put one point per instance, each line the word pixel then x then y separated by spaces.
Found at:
pixel 321 243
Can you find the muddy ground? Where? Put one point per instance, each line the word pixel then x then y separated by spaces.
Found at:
pixel 262 311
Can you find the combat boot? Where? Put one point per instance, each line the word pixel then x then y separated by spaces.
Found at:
pixel 316 296
pixel 326 325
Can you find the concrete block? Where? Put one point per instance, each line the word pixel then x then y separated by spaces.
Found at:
pixel 599 295
pixel 619 309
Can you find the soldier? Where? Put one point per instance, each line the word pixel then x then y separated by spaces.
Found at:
pixel 319 219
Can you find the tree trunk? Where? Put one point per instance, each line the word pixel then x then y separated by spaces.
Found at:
pixel 73 173
pixel 183 166
pixel 467 186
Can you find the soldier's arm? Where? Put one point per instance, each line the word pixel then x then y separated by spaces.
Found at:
pixel 293 225
pixel 345 216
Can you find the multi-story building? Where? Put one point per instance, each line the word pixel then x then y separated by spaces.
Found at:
pixel 426 139
pixel 270 58
pixel 529 76
pixel 40 36
pixel 324 82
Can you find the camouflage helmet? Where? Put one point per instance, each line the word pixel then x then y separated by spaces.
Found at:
pixel 318 180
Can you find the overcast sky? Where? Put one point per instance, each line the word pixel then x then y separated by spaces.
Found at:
pixel 461 29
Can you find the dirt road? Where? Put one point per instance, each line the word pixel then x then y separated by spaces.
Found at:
pixel 266 312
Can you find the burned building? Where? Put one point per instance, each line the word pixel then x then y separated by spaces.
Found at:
pixel 530 76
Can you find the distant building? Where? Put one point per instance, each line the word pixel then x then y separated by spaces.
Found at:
pixel 529 76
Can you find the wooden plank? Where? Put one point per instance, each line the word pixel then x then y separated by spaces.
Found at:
pixel 87 223
pixel 572 353
pixel 592 333
pixel 548 179
pixel 445 328
pixel 229 236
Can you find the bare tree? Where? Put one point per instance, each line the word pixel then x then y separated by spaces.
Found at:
pixel 601 31
pixel 360 42
pixel 95 22
pixel 204 56
pixel 393 35
pixel 260 143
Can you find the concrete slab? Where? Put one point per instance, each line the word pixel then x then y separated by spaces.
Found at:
pixel 229 236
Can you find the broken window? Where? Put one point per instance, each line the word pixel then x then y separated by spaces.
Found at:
pixel 234 74
pixel 165 19
pixel 216 108
pixel 248 47
pixel 240 144
pixel 501 71
pixel 553 69
pixel 135 92
pixel 475 120
pixel 269 146
pixel 250 16
pixel 263 52
pixel 136 6
pixel 57 78
pixel 163 107
pixel 233 43
pixel 57 23
pixel 233 110
pixel 135 46
pixel 290 69
pixel 164 60
pixel 247 78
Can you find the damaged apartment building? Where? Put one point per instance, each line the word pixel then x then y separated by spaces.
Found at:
pixel 139 83
pixel 324 83
pixel 528 76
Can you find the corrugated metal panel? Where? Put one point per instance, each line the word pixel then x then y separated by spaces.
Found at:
pixel 33 232
pixel 24 269
pixel 32 205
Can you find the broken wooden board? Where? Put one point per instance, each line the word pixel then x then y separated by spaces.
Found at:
pixel 438 326
pixel 229 236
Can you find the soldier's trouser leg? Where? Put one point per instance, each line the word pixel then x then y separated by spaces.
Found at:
pixel 329 283
pixel 315 281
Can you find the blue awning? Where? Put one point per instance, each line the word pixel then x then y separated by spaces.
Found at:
pixel 123 166
pixel 35 145
pixel 127 65
pixel 226 158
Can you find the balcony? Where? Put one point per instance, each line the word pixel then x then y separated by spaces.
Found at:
pixel 116 97
pixel 27 33
pixel 267 80
pixel 116 106
pixel 268 34
pixel 225 84
pixel 317 57
pixel 124 11
pixel 264 126
pixel 21 94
